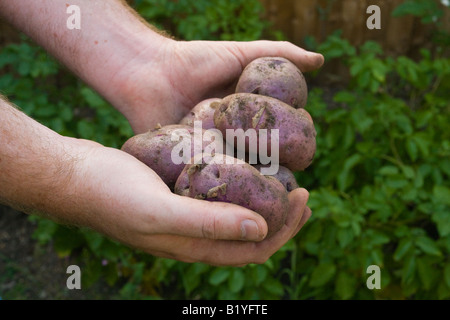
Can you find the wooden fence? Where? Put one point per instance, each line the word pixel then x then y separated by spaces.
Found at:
pixel 319 18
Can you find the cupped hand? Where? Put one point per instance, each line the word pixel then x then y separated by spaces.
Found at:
pixel 163 88
pixel 122 198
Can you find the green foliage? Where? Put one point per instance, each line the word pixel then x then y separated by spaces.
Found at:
pixel 380 181
pixel 42 89
pixel 238 20
pixel 379 184
pixel 429 12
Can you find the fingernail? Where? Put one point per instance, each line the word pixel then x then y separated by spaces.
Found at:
pixel 250 230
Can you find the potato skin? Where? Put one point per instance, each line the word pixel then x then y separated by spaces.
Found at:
pixel 284 175
pixel 203 111
pixel 297 134
pixel 237 183
pixel 154 148
pixel 275 77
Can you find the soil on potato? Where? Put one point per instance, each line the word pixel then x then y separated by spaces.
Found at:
pixel 29 271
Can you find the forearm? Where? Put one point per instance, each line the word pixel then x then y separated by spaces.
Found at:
pixel 35 169
pixel 110 38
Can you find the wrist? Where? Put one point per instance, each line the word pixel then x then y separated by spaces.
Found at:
pixel 135 72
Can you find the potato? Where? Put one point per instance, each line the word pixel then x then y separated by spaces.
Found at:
pixel 284 175
pixel 203 111
pixel 227 179
pixel 297 134
pixel 155 147
pixel 277 78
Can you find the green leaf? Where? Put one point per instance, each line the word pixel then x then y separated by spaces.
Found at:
pixel 259 274
pixel 412 149
pixel 345 236
pixel 403 247
pixel 274 286
pixel 344 179
pixel 322 274
pixel 388 170
pixel 218 276
pixel 110 273
pixel 236 281
pixel 441 194
pixel 447 274
pixel 44 231
pixel 67 239
pixel 94 240
pixel 408 171
pixel 92 98
pixel 426 273
pixel 86 129
pixel 345 285
pixel 428 246
pixel 405 124
pixel 409 269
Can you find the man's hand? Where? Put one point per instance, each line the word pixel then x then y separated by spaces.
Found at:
pixel 82 183
pixel 124 199
pixel 189 72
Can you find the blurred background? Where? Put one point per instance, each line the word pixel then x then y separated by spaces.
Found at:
pixel 379 185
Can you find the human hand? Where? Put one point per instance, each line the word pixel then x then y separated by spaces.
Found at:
pixel 165 87
pixel 122 198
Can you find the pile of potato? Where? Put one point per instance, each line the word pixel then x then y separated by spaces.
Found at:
pixel 271 94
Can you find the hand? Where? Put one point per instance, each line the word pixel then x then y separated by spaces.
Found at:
pixel 164 88
pixel 124 199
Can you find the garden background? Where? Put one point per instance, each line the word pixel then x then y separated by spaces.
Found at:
pixel 379 185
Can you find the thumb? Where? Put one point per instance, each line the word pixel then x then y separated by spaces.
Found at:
pixel 305 60
pixel 214 220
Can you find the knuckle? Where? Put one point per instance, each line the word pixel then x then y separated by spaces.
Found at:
pixel 209 227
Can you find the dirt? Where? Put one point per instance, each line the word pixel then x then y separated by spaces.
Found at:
pixel 29 271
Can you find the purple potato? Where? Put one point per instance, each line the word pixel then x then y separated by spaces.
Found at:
pixel 297 134
pixel 277 78
pixel 155 149
pixel 284 175
pixel 204 112
pixel 230 180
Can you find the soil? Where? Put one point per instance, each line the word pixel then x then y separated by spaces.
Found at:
pixel 30 271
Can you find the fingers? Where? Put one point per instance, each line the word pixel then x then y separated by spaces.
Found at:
pixel 195 247
pixel 297 201
pixel 212 220
pixel 306 215
pixel 305 60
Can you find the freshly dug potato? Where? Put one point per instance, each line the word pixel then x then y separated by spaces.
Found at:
pixel 204 111
pixel 227 179
pixel 277 78
pixel 284 175
pixel 297 134
pixel 155 147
